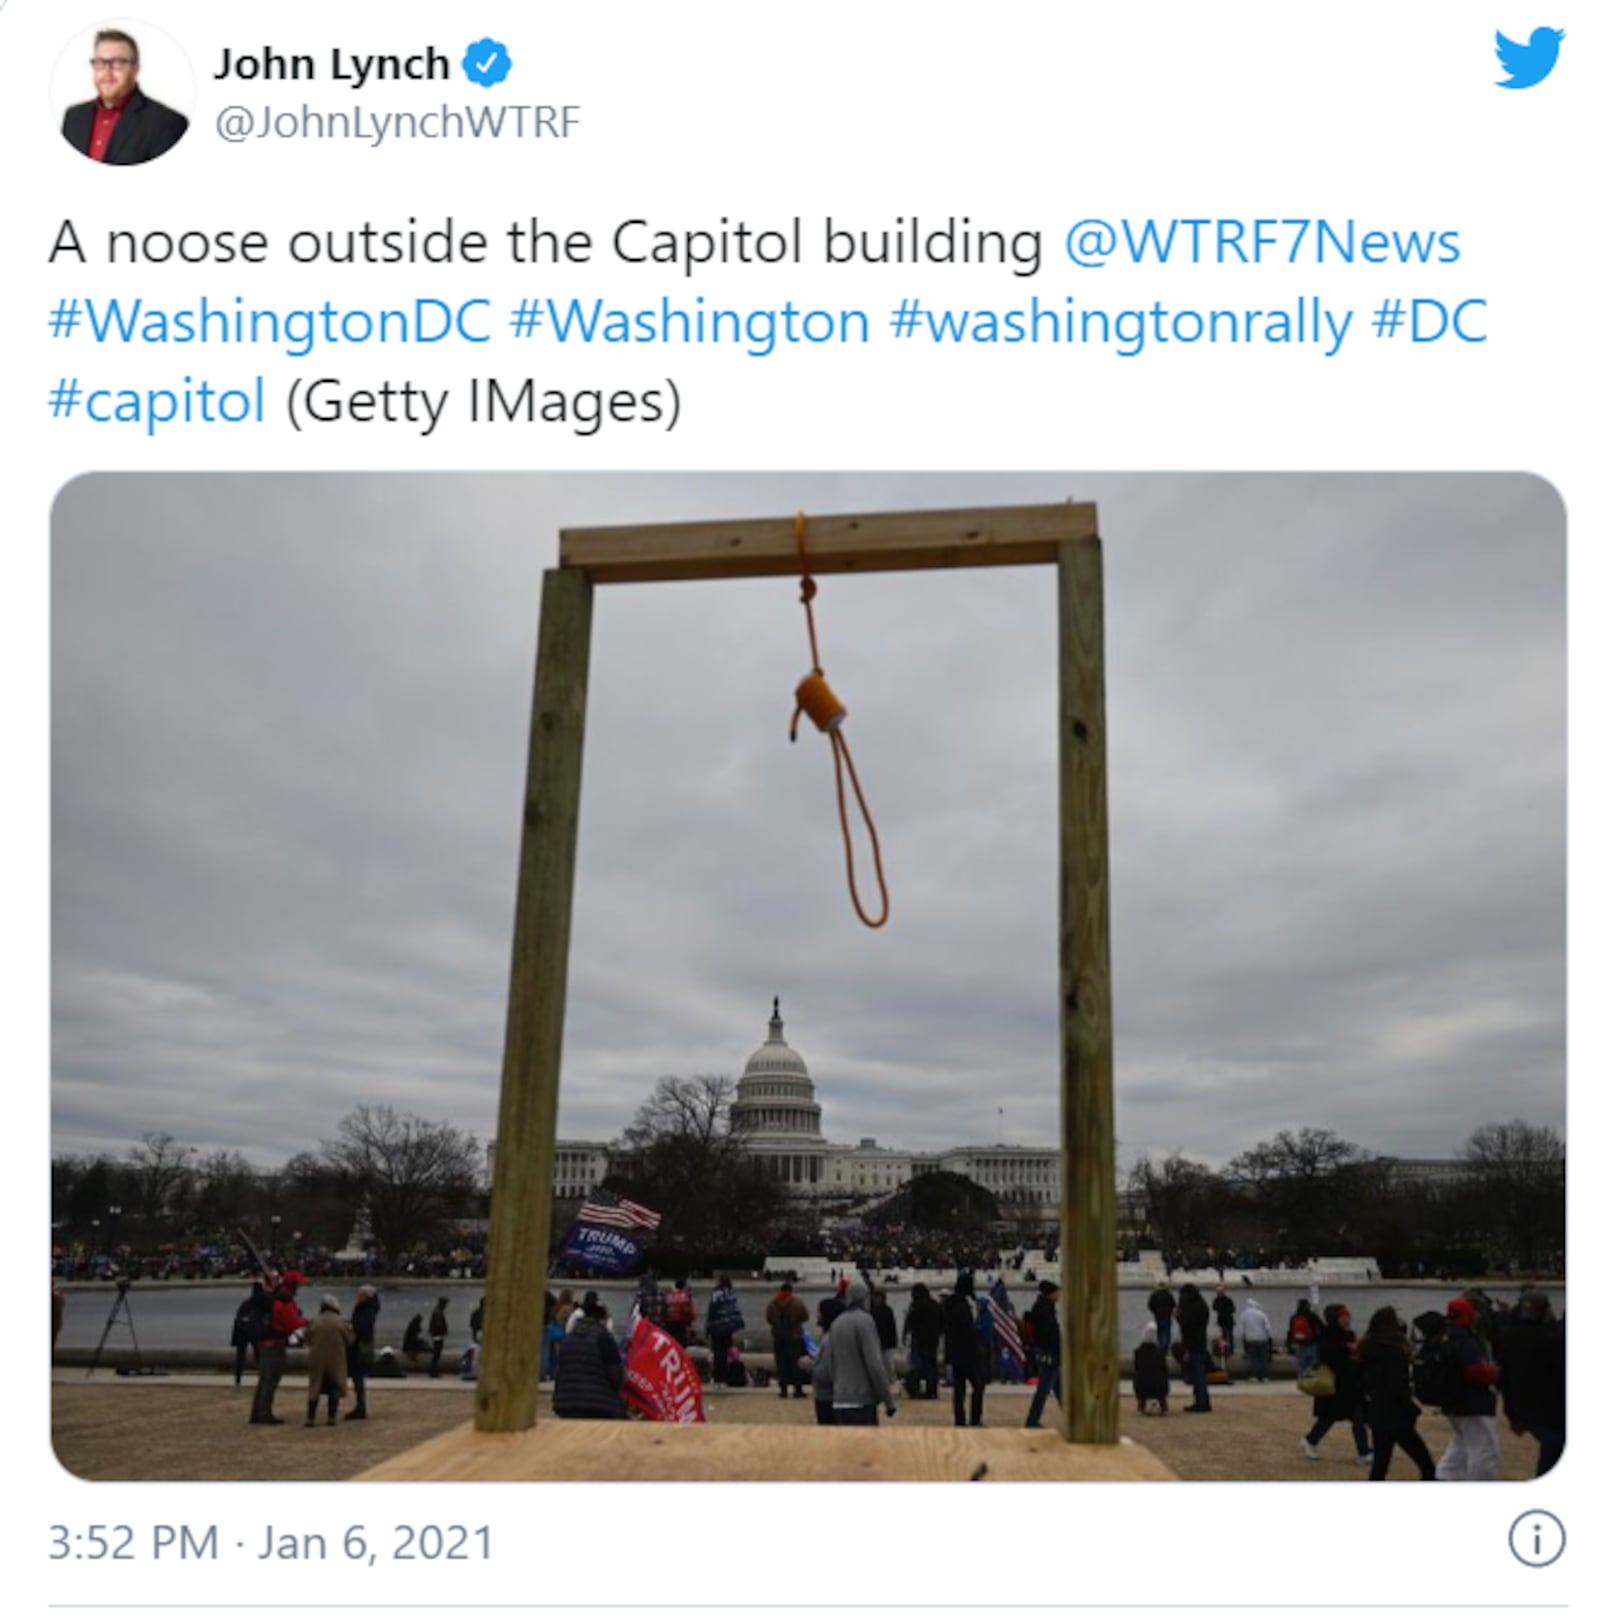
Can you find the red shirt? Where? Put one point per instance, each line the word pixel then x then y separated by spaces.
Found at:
pixel 105 122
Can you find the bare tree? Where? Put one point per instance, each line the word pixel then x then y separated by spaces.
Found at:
pixel 411 1176
pixel 160 1169
pixel 683 1155
pixel 1519 1178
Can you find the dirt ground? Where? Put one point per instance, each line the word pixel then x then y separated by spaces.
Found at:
pixel 187 1430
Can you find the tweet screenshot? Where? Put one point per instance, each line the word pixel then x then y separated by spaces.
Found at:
pixel 796 801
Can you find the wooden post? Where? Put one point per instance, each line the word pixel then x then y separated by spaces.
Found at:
pixel 1089 1390
pixel 519 1217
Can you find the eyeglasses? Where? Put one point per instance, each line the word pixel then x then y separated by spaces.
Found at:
pixel 106 64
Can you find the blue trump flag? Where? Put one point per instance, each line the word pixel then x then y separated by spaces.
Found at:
pixel 603 1250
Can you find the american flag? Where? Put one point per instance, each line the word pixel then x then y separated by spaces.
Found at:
pixel 605 1210
pixel 1012 1361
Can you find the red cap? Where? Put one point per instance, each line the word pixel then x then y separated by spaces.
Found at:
pixel 292 1277
pixel 1459 1311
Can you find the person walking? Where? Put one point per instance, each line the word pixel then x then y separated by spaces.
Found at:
pixel 1347 1402
pixel 1383 1357
pixel 1151 1383
pixel 963 1353
pixel 364 1354
pixel 1193 1319
pixel 328 1342
pixel 1255 1332
pixel 589 1374
pixel 923 1326
pixel 724 1318
pixel 1305 1327
pixel 1462 1383
pixel 852 1363
pixel 250 1318
pixel 1162 1305
pixel 1046 1351
pixel 786 1314
pixel 438 1330
pixel 272 1347
pixel 1533 1376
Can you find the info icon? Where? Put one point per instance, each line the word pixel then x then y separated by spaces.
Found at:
pixel 1537 1539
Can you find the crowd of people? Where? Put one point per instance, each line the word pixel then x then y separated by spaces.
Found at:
pixel 1470 1362
pixel 231 1259
pixel 342 1351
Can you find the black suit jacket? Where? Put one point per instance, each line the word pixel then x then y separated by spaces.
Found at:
pixel 146 129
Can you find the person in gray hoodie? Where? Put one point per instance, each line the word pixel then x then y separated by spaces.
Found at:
pixel 853 1363
pixel 1255 1331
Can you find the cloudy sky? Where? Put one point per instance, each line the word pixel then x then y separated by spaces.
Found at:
pixel 290 721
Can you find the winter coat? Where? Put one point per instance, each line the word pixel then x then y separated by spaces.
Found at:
pixel 723 1313
pixel 1385 1371
pixel 1254 1326
pixel 589 1373
pixel 961 1348
pixel 883 1318
pixel 1226 1312
pixel 680 1307
pixel 246 1322
pixel 1161 1304
pixel 438 1325
pixel 853 1360
pixel 1347 1402
pixel 364 1320
pixel 1193 1318
pixel 1046 1330
pixel 1478 1374
pixel 786 1314
pixel 328 1342
pixel 286 1320
pixel 923 1323
pixel 1150 1379
pixel 1533 1373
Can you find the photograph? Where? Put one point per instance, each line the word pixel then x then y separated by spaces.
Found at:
pixel 621 976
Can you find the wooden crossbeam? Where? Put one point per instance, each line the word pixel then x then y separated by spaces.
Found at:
pixel 956 538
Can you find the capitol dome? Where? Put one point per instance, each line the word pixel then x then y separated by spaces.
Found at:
pixel 775 1095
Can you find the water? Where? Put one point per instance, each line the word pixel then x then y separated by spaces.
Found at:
pixel 202 1316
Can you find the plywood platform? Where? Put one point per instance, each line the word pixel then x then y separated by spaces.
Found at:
pixel 634 1451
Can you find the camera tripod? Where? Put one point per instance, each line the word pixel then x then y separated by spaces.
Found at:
pixel 122 1309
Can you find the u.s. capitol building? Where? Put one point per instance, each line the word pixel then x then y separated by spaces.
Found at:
pixel 776 1114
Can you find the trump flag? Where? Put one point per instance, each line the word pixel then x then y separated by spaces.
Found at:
pixel 660 1382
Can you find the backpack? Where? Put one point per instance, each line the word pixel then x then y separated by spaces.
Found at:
pixel 1437 1377
pixel 253 1321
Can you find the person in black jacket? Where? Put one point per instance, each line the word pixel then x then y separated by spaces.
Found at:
pixel 438 1330
pixel 1162 1304
pixel 252 1314
pixel 1046 1351
pixel 1533 1376
pixel 589 1373
pixel 364 1353
pixel 1383 1358
pixel 121 125
pixel 1193 1318
pixel 1347 1402
pixel 923 1325
pixel 962 1352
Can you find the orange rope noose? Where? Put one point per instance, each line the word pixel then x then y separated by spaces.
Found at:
pixel 817 700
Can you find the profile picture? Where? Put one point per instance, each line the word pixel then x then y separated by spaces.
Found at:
pixel 126 72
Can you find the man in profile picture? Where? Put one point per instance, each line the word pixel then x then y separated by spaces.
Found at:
pixel 121 125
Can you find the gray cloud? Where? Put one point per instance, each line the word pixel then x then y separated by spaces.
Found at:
pixel 290 717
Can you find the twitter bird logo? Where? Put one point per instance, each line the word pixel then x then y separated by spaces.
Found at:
pixel 1528 64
